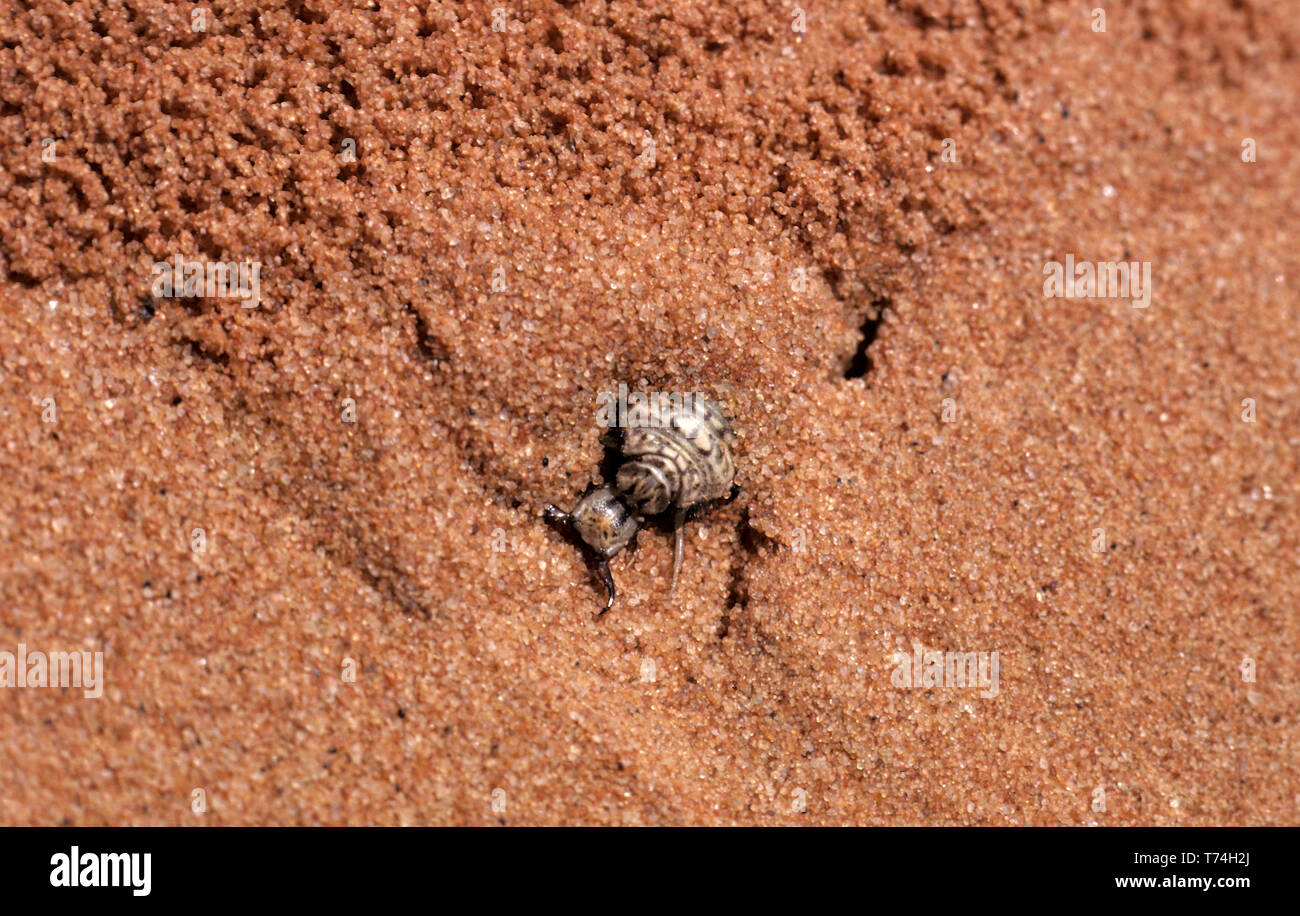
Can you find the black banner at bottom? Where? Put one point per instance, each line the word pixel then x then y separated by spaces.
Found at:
pixel 940 866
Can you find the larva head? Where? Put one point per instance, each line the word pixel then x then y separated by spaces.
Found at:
pixel 602 521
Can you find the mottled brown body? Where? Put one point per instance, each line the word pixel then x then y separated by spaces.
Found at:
pixel 680 459
pixel 684 459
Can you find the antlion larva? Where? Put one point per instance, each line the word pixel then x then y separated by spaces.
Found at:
pixel 678 458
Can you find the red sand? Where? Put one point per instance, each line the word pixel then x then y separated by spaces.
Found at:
pixel 645 184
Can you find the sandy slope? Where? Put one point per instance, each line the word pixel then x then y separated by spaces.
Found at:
pixel 380 628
